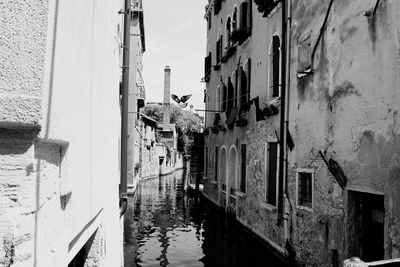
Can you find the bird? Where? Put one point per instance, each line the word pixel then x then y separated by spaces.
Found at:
pixel 182 100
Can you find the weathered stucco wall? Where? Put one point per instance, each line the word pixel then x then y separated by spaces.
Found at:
pixel 249 207
pixel 59 129
pixel 347 109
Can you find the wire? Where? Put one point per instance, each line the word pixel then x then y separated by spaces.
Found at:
pixel 321 31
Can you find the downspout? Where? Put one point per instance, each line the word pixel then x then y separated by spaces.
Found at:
pixel 123 196
pixel 286 130
pixel 282 134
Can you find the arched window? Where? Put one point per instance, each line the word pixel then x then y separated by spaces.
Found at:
pixel 243 86
pixel 275 67
pixel 218 99
pixel 224 97
pixel 218 48
pixel 222 173
pixel 234 20
pixel 232 171
pixel 245 72
pixel 231 97
pixel 228 33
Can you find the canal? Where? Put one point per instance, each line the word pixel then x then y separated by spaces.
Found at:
pixel 166 227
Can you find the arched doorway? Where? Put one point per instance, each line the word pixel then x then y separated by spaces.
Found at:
pixel 232 178
pixel 222 178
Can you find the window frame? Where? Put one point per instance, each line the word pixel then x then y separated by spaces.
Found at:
pixel 312 172
pixel 241 170
pixel 266 175
pixel 270 83
pixel 216 163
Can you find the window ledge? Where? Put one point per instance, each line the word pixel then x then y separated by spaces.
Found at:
pixel 240 194
pixel 245 43
pixel 305 208
pixel 268 207
pixel 214 182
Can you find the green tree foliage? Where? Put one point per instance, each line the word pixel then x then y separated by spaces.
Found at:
pixel 186 123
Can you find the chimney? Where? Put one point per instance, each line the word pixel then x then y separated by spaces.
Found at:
pixel 166 104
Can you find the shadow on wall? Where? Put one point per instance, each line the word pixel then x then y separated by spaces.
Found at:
pixel 49 157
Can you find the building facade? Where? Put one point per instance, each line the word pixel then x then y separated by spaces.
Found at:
pixel 59 133
pixel 137 93
pixel 301 144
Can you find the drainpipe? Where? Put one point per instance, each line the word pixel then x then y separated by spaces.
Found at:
pixel 123 196
pixel 282 135
pixel 286 126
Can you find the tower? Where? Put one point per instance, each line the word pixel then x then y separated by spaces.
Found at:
pixel 166 103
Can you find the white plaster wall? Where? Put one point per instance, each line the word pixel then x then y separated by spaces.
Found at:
pixel 59 81
pixel 82 109
pixel 23 35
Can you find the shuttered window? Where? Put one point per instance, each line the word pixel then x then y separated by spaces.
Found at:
pixel 243 168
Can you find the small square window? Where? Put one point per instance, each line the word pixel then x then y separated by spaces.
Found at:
pixel 304 61
pixel 305 187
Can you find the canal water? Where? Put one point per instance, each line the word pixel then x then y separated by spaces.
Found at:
pixel 166 227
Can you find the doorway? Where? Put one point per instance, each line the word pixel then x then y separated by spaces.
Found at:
pixel 366 220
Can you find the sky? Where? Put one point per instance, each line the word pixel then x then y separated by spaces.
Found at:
pixel 175 32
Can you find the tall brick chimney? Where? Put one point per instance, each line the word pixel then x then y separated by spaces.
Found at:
pixel 167 93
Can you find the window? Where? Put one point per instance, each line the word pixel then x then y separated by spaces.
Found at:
pixel 216 163
pixel 271 172
pixel 304 55
pixel 275 69
pixel 217 6
pixel 245 15
pixel 245 82
pixel 218 99
pixel 231 96
pixel 305 181
pixel 224 97
pixel 243 160
pixel 207 65
pixel 219 50
pixel 228 33
pixel 234 20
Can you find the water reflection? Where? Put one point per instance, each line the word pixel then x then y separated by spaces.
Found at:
pixel 163 226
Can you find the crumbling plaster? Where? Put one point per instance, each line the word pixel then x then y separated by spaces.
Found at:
pixel 349 110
